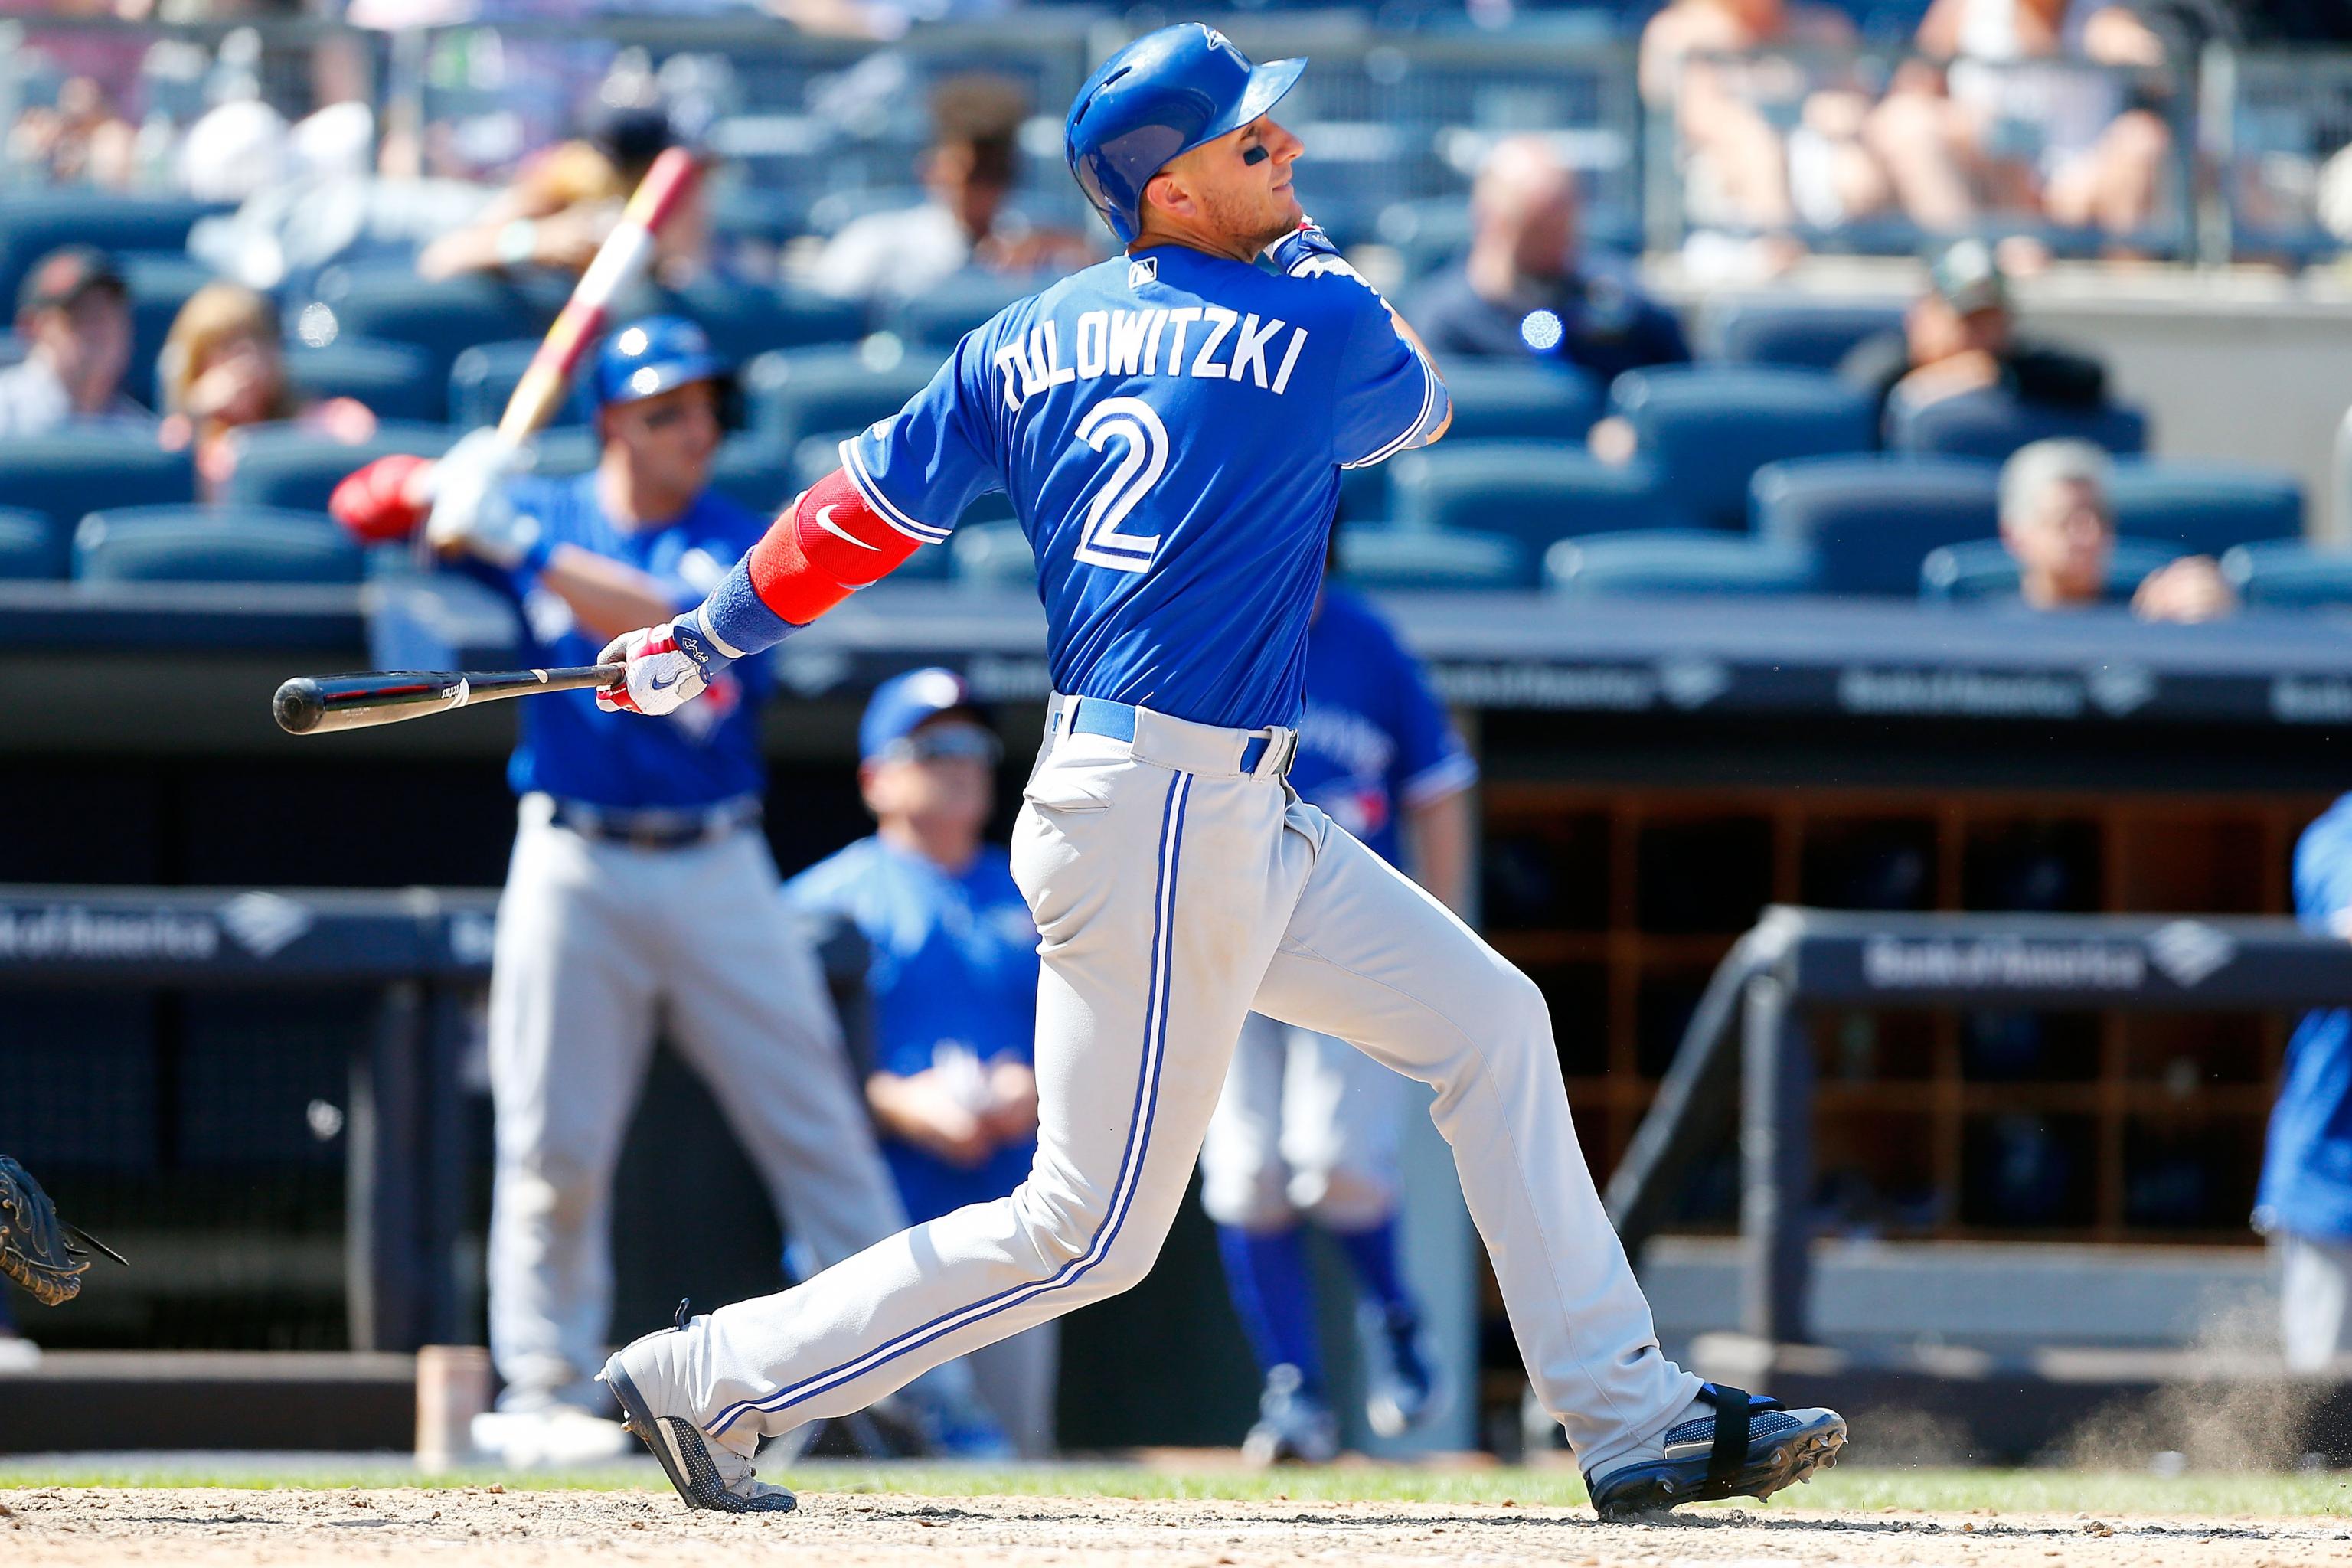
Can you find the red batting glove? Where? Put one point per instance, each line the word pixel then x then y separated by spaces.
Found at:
pixel 376 504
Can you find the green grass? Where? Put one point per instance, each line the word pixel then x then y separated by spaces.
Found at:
pixel 1853 1488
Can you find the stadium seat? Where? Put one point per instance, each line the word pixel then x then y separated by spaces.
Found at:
pixel 287 467
pixel 2205 506
pixel 33 225
pixel 59 475
pixel 1809 335
pixel 1705 429
pixel 798 393
pixel 32 547
pixel 940 315
pixel 746 319
pixel 2288 574
pixel 394 380
pixel 753 473
pixel 1983 569
pixel 158 287
pixel 1992 423
pixel 444 318
pixel 987 555
pixel 213 544
pixel 483 377
pixel 1674 560
pixel 1432 558
pixel 566 450
pixel 1521 399
pixel 1869 521
pixel 1529 492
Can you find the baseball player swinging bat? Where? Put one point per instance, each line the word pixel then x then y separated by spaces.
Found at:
pixel 314 704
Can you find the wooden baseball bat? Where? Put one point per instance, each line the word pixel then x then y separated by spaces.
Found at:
pixel 314 704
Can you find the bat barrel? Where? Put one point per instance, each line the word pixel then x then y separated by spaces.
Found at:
pixel 310 703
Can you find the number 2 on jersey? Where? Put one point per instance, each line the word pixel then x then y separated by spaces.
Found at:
pixel 1143 457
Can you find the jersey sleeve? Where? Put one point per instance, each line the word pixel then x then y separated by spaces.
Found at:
pixel 1431 761
pixel 922 465
pixel 1389 399
pixel 2323 872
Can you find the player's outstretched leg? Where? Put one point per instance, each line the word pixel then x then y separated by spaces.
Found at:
pixel 1373 959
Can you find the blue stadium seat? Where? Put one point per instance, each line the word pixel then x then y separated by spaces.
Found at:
pixel 987 555
pixel 2288 574
pixel 1992 423
pixel 287 467
pixel 1529 492
pixel 746 319
pixel 1520 399
pixel 2205 506
pixel 1869 521
pixel 935 317
pixel 566 450
pixel 753 473
pixel 1674 560
pixel 158 285
pixel 483 377
pixel 1813 334
pixel 213 544
pixel 1432 558
pixel 1982 569
pixel 61 476
pixel 1705 429
pixel 394 380
pixel 31 225
pixel 31 546
pixel 444 318
pixel 797 393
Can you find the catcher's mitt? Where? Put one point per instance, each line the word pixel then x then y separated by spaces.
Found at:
pixel 37 1250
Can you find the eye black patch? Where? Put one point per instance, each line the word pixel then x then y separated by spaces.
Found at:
pixel 1254 156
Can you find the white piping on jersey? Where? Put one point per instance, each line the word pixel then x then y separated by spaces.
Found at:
pixel 1125 343
pixel 920 532
pixel 1432 389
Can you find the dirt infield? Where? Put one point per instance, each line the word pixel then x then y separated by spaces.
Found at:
pixel 213 1528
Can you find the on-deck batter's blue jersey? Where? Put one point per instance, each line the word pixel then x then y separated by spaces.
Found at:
pixel 953 970
pixel 1374 738
pixel 1171 427
pixel 711 752
pixel 2306 1186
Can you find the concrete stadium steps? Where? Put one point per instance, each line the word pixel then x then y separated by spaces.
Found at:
pixel 94 1400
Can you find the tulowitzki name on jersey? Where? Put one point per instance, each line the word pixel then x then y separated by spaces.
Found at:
pixel 1204 341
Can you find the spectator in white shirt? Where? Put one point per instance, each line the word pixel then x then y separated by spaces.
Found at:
pixel 73 313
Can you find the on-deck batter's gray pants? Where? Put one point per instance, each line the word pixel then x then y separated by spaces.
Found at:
pixel 1307 1126
pixel 590 962
pixel 1175 892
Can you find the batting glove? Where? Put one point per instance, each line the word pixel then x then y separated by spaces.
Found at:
pixel 470 509
pixel 667 668
pixel 1307 251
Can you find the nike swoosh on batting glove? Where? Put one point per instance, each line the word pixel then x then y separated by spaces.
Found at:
pixel 666 667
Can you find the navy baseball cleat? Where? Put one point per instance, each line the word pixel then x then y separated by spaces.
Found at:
pixel 707 1474
pixel 1744 1445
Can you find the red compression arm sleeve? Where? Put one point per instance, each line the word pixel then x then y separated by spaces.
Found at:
pixel 829 545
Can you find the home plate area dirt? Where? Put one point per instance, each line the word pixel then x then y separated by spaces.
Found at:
pixel 201 1528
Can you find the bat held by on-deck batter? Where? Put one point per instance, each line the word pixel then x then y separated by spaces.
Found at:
pixel 313 704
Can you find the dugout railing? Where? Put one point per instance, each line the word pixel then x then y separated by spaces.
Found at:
pixel 1747 1052
pixel 425 950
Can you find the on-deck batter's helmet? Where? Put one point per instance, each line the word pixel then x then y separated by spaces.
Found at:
pixel 647 357
pixel 1161 97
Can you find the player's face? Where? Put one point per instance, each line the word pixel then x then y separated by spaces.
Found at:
pixel 1238 188
pixel 941 779
pixel 669 436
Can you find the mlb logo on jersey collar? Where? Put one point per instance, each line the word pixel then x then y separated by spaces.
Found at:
pixel 1142 270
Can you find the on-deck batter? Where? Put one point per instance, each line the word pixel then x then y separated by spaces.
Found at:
pixel 1171 426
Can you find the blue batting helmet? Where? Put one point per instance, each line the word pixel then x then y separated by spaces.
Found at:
pixel 647 357
pixel 1161 97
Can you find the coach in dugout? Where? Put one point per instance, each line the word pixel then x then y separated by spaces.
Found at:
pixel 952 974
pixel 618 819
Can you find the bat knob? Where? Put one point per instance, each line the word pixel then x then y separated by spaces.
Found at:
pixel 298 706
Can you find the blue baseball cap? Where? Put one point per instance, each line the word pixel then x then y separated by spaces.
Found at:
pixel 904 703
pixel 647 358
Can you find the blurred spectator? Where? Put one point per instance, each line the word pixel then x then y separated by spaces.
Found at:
pixel 2305 1202
pixel 79 139
pixel 567 199
pixel 1959 336
pixel 1737 119
pixel 222 368
pixel 2008 126
pixel 73 313
pixel 2055 521
pixel 970 170
pixel 1522 287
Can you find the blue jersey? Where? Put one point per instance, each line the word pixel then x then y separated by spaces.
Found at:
pixel 1375 740
pixel 953 976
pixel 711 752
pixel 1171 427
pixel 2306 1186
